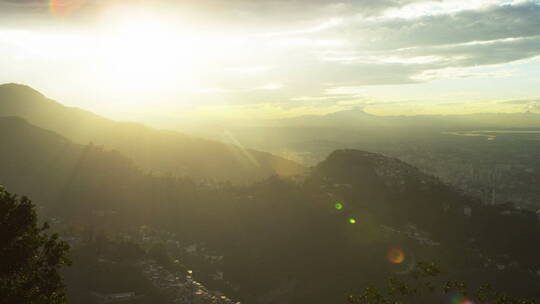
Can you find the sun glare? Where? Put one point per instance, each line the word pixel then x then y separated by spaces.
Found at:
pixel 141 48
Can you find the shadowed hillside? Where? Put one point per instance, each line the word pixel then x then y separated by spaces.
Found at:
pixel 159 151
pixel 281 241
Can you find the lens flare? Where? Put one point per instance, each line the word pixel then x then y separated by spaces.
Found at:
pixel 395 256
pixel 64 7
pixel 408 265
pixel 459 299
pixel 339 206
pixel 352 221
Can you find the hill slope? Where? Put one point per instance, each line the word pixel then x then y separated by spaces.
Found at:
pixel 281 241
pixel 159 151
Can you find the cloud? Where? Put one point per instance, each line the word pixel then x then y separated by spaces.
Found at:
pixel 296 51
pixel 25 2
pixel 527 104
pixel 26 7
pixel 492 52
pixel 433 47
pixel 521 102
pixel 268 13
pixel 490 23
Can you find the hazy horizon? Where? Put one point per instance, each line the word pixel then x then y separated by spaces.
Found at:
pixel 155 61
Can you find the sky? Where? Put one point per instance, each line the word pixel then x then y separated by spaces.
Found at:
pixel 163 60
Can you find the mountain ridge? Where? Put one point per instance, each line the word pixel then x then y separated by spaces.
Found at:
pixel 160 151
pixel 359 118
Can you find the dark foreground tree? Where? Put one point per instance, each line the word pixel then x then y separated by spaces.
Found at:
pixel 30 259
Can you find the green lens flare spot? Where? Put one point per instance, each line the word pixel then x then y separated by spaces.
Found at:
pixel 352 221
pixel 339 206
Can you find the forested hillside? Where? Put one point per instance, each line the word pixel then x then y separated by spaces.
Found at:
pixel 302 241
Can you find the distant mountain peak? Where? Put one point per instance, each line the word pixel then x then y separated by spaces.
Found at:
pixel 358 109
pixel 353 112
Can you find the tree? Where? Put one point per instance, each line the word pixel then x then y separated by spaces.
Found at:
pixel 30 259
pixel 422 283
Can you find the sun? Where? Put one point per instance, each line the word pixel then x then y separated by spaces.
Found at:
pixel 140 48
pixel 142 54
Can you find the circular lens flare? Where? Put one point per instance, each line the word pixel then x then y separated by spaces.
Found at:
pixel 338 206
pixel 64 7
pixel 459 299
pixel 352 221
pixel 408 265
pixel 395 256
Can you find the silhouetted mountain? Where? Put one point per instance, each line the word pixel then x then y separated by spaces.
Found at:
pixel 349 127
pixel 347 119
pixel 355 166
pixel 403 194
pixel 358 119
pixel 156 150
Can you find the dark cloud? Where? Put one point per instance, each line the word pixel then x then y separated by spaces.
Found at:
pixel 23 6
pixel 496 52
pixel 494 35
pixel 28 13
pixel 25 2
pixel 268 13
pixel 492 23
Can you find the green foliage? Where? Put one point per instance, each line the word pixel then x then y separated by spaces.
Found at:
pixel 106 265
pixel 424 284
pixel 30 259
